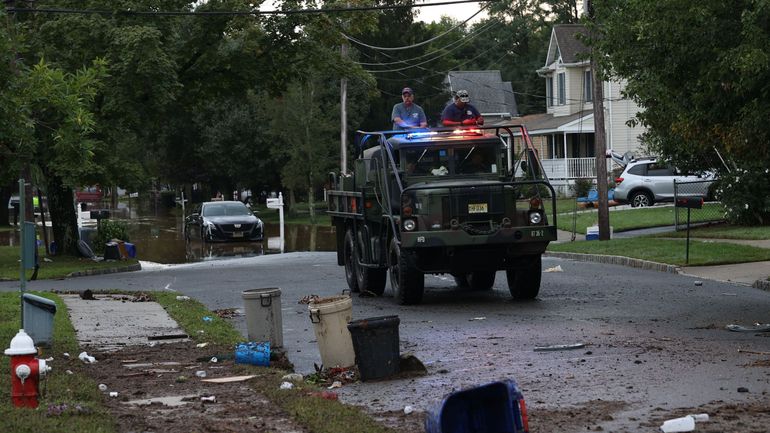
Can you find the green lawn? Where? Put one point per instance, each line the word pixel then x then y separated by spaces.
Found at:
pixel 631 219
pixel 58 267
pixel 723 231
pixel 670 251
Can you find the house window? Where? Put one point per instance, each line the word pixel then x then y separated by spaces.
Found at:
pixel 549 91
pixel 561 88
pixel 588 88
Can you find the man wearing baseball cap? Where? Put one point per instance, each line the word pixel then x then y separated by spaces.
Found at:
pixel 407 114
pixel 461 112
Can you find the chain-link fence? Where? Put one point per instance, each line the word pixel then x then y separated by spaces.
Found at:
pixel 712 210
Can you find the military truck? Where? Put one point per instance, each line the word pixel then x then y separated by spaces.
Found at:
pixel 443 201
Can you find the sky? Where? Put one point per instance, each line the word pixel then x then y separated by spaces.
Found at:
pixel 460 12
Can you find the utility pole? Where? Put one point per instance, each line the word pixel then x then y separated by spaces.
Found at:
pixel 600 139
pixel 344 111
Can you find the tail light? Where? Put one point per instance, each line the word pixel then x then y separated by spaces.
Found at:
pixel 618 180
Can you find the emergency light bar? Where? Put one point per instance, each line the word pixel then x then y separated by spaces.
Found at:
pixel 457 133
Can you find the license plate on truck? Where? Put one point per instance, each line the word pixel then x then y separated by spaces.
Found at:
pixel 477 208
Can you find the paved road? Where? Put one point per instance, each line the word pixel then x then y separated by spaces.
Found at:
pixel 655 341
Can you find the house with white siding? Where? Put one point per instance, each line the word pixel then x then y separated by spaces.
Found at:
pixel 564 134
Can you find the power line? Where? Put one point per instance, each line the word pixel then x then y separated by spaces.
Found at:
pixel 62 11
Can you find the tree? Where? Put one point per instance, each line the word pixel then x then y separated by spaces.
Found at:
pixel 700 71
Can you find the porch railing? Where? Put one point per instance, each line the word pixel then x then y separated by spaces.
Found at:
pixel 571 168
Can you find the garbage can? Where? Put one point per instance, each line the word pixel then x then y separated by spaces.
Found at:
pixel 376 345
pixel 262 308
pixel 495 407
pixel 38 319
pixel 330 317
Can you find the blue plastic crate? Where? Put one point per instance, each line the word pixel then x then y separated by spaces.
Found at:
pixel 496 407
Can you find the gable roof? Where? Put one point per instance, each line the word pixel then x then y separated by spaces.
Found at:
pixel 566 43
pixel 489 93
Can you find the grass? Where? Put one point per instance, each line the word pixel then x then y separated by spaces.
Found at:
pixel 71 389
pixel 723 231
pixel 58 267
pixel 670 251
pixel 631 219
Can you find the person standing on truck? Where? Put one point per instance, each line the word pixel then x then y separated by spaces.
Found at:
pixel 461 112
pixel 407 114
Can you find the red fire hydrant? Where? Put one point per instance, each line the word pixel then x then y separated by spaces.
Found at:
pixel 26 371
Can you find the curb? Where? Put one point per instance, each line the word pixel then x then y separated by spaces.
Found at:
pixel 129 268
pixel 762 284
pixel 617 260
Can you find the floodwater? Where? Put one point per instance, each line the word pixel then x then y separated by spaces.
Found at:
pixel 158 237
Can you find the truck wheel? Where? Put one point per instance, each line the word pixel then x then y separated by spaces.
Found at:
pixel 481 280
pixel 524 281
pixel 407 283
pixel 370 279
pixel 350 261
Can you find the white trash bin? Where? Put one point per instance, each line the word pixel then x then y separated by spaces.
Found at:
pixel 330 317
pixel 263 315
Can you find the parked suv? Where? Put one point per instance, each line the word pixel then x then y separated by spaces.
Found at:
pixel 644 182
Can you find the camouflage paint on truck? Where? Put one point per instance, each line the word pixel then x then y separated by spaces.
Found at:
pixel 457 201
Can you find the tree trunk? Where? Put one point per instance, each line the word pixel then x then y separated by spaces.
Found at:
pixel 5 195
pixel 311 204
pixel 63 221
pixel 292 201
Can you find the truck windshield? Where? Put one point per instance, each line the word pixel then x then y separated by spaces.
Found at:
pixel 442 161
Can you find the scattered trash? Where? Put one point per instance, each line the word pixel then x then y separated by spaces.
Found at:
pixel 683 424
pixel 477 318
pixel 113 393
pixel 207 318
pixel 102 387
pixel 86 358
pixel 411 365
pixel 327 395
pixel 47 260
pixel 335 384
pixel 729 294
pixel 200 373
pixel 228 313
pixel 253 353
pixel 293 377
pixel 408 409
pixel 753 352
pixel 182 298
pixel 286 385
pixel 181 379
pixel 167 337
pixel 87 294
pixel 210 398
pixel 213 359
pixel 308 299
pixel 229 379
pixel 559 347
pixel 556 268
pixel 60 409
pixel 69 372
pixel 758 327
pixel 743 389
pixel 699 283
pixel 201 345
pixel 66 355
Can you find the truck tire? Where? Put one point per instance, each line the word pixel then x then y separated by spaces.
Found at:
pixel 370 279
pixel 524 281
pixel 408 284
pixel 351 267
pixel 481 280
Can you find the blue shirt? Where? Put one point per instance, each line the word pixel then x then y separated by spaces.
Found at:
pixel 456 114
pixel 412 116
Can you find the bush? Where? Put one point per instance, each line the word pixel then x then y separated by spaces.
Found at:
pixel 745 194
pixel 109 230
pixel 582 186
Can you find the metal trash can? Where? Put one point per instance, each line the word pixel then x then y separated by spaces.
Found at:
pixel 376 345
pixel 263 315
pixel 38 318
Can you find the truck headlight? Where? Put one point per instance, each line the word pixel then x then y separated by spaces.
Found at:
pixel 535 218
pixel 409 225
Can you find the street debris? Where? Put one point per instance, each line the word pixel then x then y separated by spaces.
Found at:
pixel 201 345
pixel 210 398
pixel 230 379
pixel 113 393
pixel 327 395
pixel 182 298
pixel 293 377
pixel 308 299
pixel 102 387
pixel 85 357
pixel 698 283
pixel 286 385
pixel 200 373
pixel 556 268
pixel 408 409
pixel 557 347
pixel 228 313
pixel 64 408
pixel 167 337
pixel 336 384
pixel 753 352
pixel 758 327
pixel 477 318
pixel 207 318
pixel 253 353
pixel 683 424
pixel 743 389
pixel 410 365
pixel 66 355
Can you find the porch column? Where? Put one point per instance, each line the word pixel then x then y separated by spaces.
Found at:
pixel 566 161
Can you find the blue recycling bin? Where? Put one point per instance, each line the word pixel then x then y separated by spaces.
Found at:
pixel 496 407
pixel 130 250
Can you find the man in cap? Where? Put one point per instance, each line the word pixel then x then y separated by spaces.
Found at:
pixel 461 112
pixel 407 114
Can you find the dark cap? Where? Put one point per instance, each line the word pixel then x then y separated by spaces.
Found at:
pixel 407 90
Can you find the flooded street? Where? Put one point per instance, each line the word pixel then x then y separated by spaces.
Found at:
pixel 159 237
